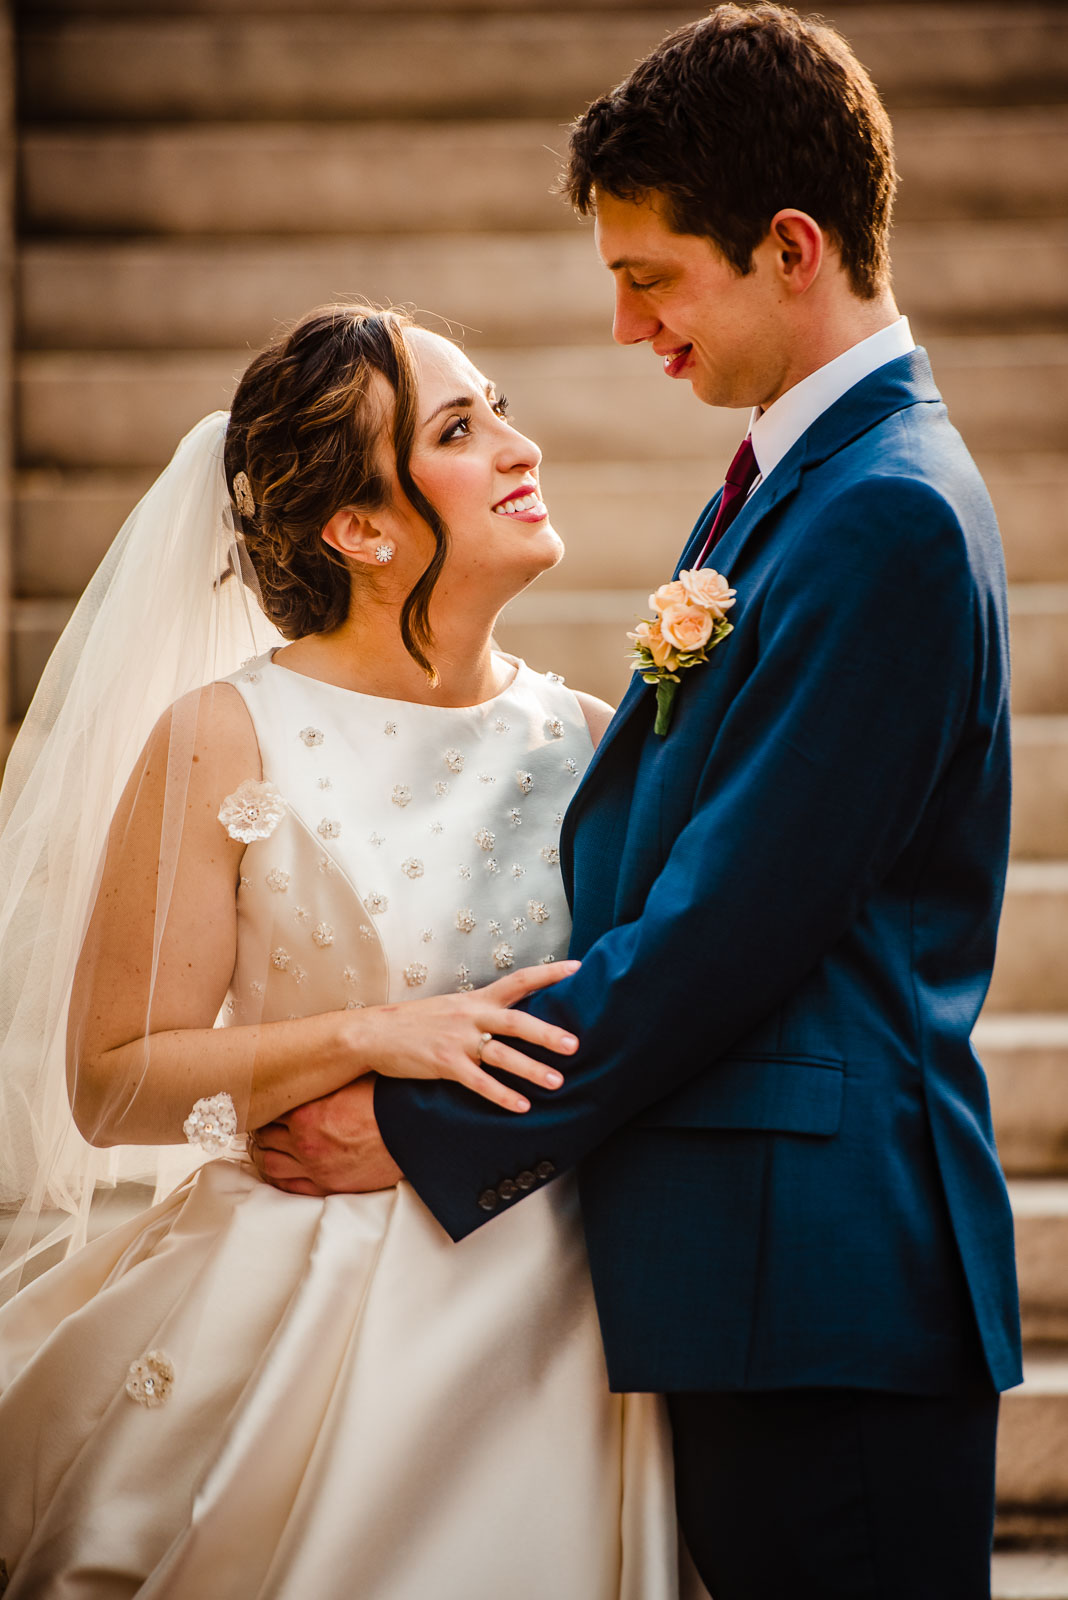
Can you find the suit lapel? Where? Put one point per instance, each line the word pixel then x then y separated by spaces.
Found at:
pixel 904 382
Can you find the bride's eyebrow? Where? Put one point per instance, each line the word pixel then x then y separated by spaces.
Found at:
pixel 460 402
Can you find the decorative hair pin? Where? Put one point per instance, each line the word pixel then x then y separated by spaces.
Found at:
pixel 246 504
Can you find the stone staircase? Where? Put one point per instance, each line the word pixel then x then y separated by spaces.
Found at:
pixel 194 171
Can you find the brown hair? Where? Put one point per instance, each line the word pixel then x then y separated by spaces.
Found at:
pixel 736 116
pixel 306 426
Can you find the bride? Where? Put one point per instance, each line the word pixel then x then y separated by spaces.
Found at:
pixel 242 1392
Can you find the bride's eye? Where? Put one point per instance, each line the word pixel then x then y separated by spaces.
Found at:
pixel 458 428
pixel 500 406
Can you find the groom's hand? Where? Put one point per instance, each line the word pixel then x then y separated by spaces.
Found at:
pixel 327 1146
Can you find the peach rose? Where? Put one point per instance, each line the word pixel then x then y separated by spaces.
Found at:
pixel 668 594
pixel 648 636
pixel 686 627
pixel 707 588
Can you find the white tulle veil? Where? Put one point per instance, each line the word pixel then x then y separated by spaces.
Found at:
pixel 173 606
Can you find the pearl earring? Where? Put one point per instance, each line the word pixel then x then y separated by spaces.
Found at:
pixel 383 553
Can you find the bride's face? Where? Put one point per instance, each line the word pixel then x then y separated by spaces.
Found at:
pixel 481 475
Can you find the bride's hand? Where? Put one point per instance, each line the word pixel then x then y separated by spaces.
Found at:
pixel 452 1035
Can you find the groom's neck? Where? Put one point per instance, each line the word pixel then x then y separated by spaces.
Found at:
pixel 825 329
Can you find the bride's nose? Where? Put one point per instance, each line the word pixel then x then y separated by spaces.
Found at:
pixel 518 451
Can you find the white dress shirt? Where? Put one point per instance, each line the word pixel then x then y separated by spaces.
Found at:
pixel 775 431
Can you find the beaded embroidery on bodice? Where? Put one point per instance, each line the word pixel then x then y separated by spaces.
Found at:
pixel 398 849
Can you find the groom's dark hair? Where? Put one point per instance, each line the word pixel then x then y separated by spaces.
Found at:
pixel 735 116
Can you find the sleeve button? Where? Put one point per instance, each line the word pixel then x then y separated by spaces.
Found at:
pixel 525 1180
pixel 544 1170
pixel 488 1200
pixel 507 1190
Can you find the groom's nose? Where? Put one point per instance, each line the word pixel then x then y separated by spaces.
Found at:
pixel 632 323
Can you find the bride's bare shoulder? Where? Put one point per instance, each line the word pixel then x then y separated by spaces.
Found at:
pixel 208 734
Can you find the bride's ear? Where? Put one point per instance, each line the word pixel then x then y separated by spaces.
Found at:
pixel 354 536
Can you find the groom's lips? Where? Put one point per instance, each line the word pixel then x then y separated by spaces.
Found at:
pixel 675 361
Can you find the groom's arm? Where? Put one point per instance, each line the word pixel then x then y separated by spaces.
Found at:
pixel 817 776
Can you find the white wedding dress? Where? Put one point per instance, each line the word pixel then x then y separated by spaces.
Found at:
pixel 346 1405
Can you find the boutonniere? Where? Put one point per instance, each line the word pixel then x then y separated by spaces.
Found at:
pixel 690 621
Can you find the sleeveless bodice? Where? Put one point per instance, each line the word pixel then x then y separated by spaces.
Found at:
pixel 398 849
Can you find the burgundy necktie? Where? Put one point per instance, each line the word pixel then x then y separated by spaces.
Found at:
pixel 741 475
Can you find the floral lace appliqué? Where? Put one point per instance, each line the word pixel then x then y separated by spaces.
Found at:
pixel 212 1123
pixel 150 1379
pixel 253 811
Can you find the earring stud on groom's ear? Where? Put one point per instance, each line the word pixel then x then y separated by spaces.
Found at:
pixel 383 553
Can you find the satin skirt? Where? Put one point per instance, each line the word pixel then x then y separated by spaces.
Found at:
pixel 359 1410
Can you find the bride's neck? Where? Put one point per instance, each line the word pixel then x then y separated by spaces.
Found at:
pixel 366 653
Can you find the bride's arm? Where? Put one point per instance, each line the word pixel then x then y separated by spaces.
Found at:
pixel 141 1043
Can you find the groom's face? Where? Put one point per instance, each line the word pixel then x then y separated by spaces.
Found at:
pixel 678 293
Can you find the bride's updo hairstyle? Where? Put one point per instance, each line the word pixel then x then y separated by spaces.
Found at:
pixel 307 429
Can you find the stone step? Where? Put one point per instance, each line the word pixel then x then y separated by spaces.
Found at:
pixel 581 633
pixel 1039 632
pixel 582 402
pixel 357 178
pixel 1025 1057
pixel 1033 1437
pixel 1031 970
pixel 513 289
pixel 1040 786
pixel 1030 1575
pixel 1030 492
pixel 36 9
pixel 154 68
pixel 633 514
pixel 1040 1213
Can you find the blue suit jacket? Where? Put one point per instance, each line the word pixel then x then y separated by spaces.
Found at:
pixel 786 911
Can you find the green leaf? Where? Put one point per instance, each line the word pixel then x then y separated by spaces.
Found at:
pixel 665 699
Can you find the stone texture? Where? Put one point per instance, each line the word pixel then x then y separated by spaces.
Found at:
pixel 1039 643
pixel 1040 1211
pixel 1030 1575
pixel 298 178
pixel 581 403
pixel 623 522
pixel 501 289
pixel 1031 970
pixel 1040 786
pixel 536 63
pixel 1026 1063
pixel 1033 1441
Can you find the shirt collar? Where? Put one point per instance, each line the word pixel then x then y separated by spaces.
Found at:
pixel 775 431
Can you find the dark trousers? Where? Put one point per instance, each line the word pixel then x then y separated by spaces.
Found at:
pixel 837 1494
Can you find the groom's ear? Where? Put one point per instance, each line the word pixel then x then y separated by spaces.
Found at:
pixel 798 246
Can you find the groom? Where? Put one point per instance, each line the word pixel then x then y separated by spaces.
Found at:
pixel 786 906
